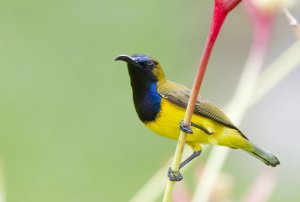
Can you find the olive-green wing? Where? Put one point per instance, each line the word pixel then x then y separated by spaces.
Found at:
pixel 179 95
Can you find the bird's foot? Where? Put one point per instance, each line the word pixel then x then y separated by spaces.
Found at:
pixel 185 128
pixel 174 175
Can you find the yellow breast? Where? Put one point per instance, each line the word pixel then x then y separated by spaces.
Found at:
pixel 168 120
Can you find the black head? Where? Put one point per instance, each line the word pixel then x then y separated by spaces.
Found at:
pixel 143 66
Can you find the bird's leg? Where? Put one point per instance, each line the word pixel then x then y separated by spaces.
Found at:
pixel 191 157
pixel 185 128
pixel 201 128
pixel 176 175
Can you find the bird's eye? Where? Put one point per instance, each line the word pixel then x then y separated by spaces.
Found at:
pixel 150 64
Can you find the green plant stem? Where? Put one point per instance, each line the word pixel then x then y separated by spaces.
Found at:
pixel 221 9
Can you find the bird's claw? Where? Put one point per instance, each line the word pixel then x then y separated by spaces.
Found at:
pixel 185 128
pixel 174 175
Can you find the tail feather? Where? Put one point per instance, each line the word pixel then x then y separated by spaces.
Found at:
pixel 264 156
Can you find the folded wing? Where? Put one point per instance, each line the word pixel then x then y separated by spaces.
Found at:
pixel 179 95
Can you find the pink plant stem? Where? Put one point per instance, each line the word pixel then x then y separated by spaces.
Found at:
pixel 221 9
pixel 262 24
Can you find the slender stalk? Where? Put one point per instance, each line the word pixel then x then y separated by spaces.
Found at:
pixel 221 9
pixel 245 90
pixel 262 24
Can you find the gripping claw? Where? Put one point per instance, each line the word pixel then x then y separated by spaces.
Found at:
pixel 174 175
pixel 185 128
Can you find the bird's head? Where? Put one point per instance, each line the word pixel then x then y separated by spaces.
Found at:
pixel 143 67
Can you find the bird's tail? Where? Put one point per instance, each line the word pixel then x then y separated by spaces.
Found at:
pixel 264 156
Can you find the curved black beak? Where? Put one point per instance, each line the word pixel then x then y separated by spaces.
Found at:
pixel 127 59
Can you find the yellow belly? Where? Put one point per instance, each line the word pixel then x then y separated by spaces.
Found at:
pixel 168 120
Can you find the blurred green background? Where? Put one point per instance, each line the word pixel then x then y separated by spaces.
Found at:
pixel 68 129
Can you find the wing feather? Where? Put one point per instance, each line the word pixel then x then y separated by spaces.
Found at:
pixel 179 95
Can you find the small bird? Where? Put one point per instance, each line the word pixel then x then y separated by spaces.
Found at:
pixel 160 105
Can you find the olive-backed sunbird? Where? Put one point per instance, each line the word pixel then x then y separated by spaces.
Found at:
pixel 160 105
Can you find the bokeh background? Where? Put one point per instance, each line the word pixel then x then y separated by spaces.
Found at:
pixel 68 128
